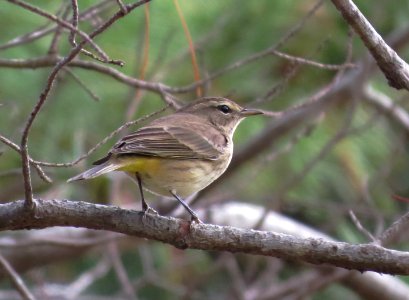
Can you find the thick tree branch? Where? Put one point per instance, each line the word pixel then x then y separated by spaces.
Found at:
pixel 183 234
pixel 369 285
pixel 395 69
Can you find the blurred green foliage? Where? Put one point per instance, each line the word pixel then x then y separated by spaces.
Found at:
pixel 372 161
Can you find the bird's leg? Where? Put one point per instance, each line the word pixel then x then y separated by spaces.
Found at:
pixel 193 215
pixel 145 207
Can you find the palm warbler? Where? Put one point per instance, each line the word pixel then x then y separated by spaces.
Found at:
pixel 179 154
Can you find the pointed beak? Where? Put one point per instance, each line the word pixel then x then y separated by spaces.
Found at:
pixel 246 112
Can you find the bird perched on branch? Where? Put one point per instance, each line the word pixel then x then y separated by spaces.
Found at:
pixel 179 154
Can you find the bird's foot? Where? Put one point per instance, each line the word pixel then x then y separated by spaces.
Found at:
pixel 195 218
pixel 150 210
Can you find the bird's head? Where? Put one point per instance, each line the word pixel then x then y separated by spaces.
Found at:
pixel 223 113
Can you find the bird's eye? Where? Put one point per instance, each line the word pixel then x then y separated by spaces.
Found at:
pixel 224 109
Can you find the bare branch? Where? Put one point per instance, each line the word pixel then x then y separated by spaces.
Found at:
pixel 71 37
pixel 361 228
pixel 254 57
pixel 66 24
pixel 16 280
pixel 15 147
pixel 83 85
pixel 395 231
pixel 49 61
pixel 44 95
pixel 46 29
pixel 395 69
pixel 119 268
pixel 122 6
pixel 304 61
pixel 368 285
pixel 184 234
pixel 86 279
pixel 53 49
pixel 106 139
pixel 386 105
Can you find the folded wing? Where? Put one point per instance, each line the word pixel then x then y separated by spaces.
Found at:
pixel 168 141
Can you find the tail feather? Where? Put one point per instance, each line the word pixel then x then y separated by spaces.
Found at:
pixel 95 171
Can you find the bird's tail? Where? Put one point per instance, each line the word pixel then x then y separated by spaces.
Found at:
pixel 96 171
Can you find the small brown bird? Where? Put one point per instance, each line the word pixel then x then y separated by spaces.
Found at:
pixel 179 154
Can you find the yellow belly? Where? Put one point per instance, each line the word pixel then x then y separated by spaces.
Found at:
pixel 140 164
pixel 184 177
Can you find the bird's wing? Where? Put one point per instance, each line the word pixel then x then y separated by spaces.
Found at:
pixel 168 141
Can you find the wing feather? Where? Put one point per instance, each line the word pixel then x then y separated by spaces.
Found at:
pixel 168 141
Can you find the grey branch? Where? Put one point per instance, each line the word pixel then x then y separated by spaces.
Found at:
pixel 182 234
pixel 395 69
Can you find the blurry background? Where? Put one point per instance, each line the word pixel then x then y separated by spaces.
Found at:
pixel 348 152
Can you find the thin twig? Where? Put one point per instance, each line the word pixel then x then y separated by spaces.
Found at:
pixel 196 71
pixel 16 279
pixel 122 6
pixel 361 228
pixel 119 268
pixel 395 69
pixel 106 139
pixel 339 135
pixel 394 231
pixel 82 84
pixel 49 61
pixel 300 25
pixel 52 50
pixel 71 38
pixel 86 37
pixel 253 57
pixel 144 64
pixel 45 30
pixel 304 61
pixel 73 290
pixel 44 95
pixel 65 241
pixel 15 147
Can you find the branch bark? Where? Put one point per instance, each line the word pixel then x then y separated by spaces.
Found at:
pixel 395 69
pixel 182 234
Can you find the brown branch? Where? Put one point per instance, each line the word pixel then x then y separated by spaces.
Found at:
pixel 30 250
pixel 46 29
pixel 253 57
pixel 120 270
pixel 294 116
pixel 49 61
pixel 122 6
pixel 71 38
pixel 395 69
pixel 87 278
pixel 53 49
pixel 304 61
pixel 387 106
pixel 78 80
pixel 44 95
pixel 15 147
pixel 16 280
pixel 106 139
pixel 183 234
pixel 195 66
pixel 65 24
pixel 361 228
pixel 368 285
